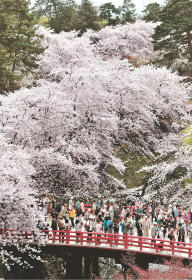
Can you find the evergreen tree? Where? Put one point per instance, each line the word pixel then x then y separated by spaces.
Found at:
pixel 128 11
pixel 19 46
pixel 63 21
pixel 110 13
pixel 7 77
pixel 152 12
pixel 60 13
pixel 173 35
pixel 86 17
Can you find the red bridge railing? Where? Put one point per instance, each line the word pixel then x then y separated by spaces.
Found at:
pixel 94 239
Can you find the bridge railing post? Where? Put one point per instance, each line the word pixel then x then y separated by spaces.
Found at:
pixel 173 247
pixel 125 237
pixel 54 233
pixel 157 247
pixel 116 239
pixel 96 239
pixel 111 240
pixel 81 238
pixel 140 243
pixel 189 252
pixel 67 236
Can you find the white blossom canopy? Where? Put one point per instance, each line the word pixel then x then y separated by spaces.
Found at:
pixel 61 133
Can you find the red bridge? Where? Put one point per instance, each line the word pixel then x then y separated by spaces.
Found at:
pixel 102 240
pixel 84 249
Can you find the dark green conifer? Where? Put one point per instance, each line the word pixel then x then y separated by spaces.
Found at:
pixel 109 12
pixel 173 35
pixel 152 12
pixel 128 11
pixel 19 45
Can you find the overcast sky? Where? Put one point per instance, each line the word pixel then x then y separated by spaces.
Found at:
pixel 140 4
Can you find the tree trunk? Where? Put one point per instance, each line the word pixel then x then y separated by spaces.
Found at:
pixel 189 43
pixel 54 6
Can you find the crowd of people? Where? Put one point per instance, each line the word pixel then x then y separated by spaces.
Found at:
pixel 151 220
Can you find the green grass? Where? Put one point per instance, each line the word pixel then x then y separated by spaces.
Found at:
pixel 133 162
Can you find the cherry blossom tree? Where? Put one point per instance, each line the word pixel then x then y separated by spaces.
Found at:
pixel 60 135
pixel 16 189
pixel 170 270
pixel 129 40
pixel 86 102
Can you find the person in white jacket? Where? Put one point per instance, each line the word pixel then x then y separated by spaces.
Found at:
pixel 146 226
pixel 161 236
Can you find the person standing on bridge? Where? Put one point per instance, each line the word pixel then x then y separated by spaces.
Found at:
pixel 146 226
pixel 105 224
pixel 161 237
pixel 64 211
pixel 54 224
pixel 186 218
pixel 139 228
pixel 181 233
pixel 71 203
pixel 98 229
pixel 116 212
pixel 78 228
pixel 189 226
pixel 72 216
pixel 94 207
pixel 54 228
pixel 61 230
pixel 58 207
pixel 154 232
pixel 171 235
pixel 190 236
pixel 116 231
pixel 175 212
pixel 78 210
pixel 98 206
pixel 124 212
pixel 82 206
pixel 110 225
pixel 53 203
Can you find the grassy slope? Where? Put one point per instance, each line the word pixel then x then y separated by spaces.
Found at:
pixel 133 162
